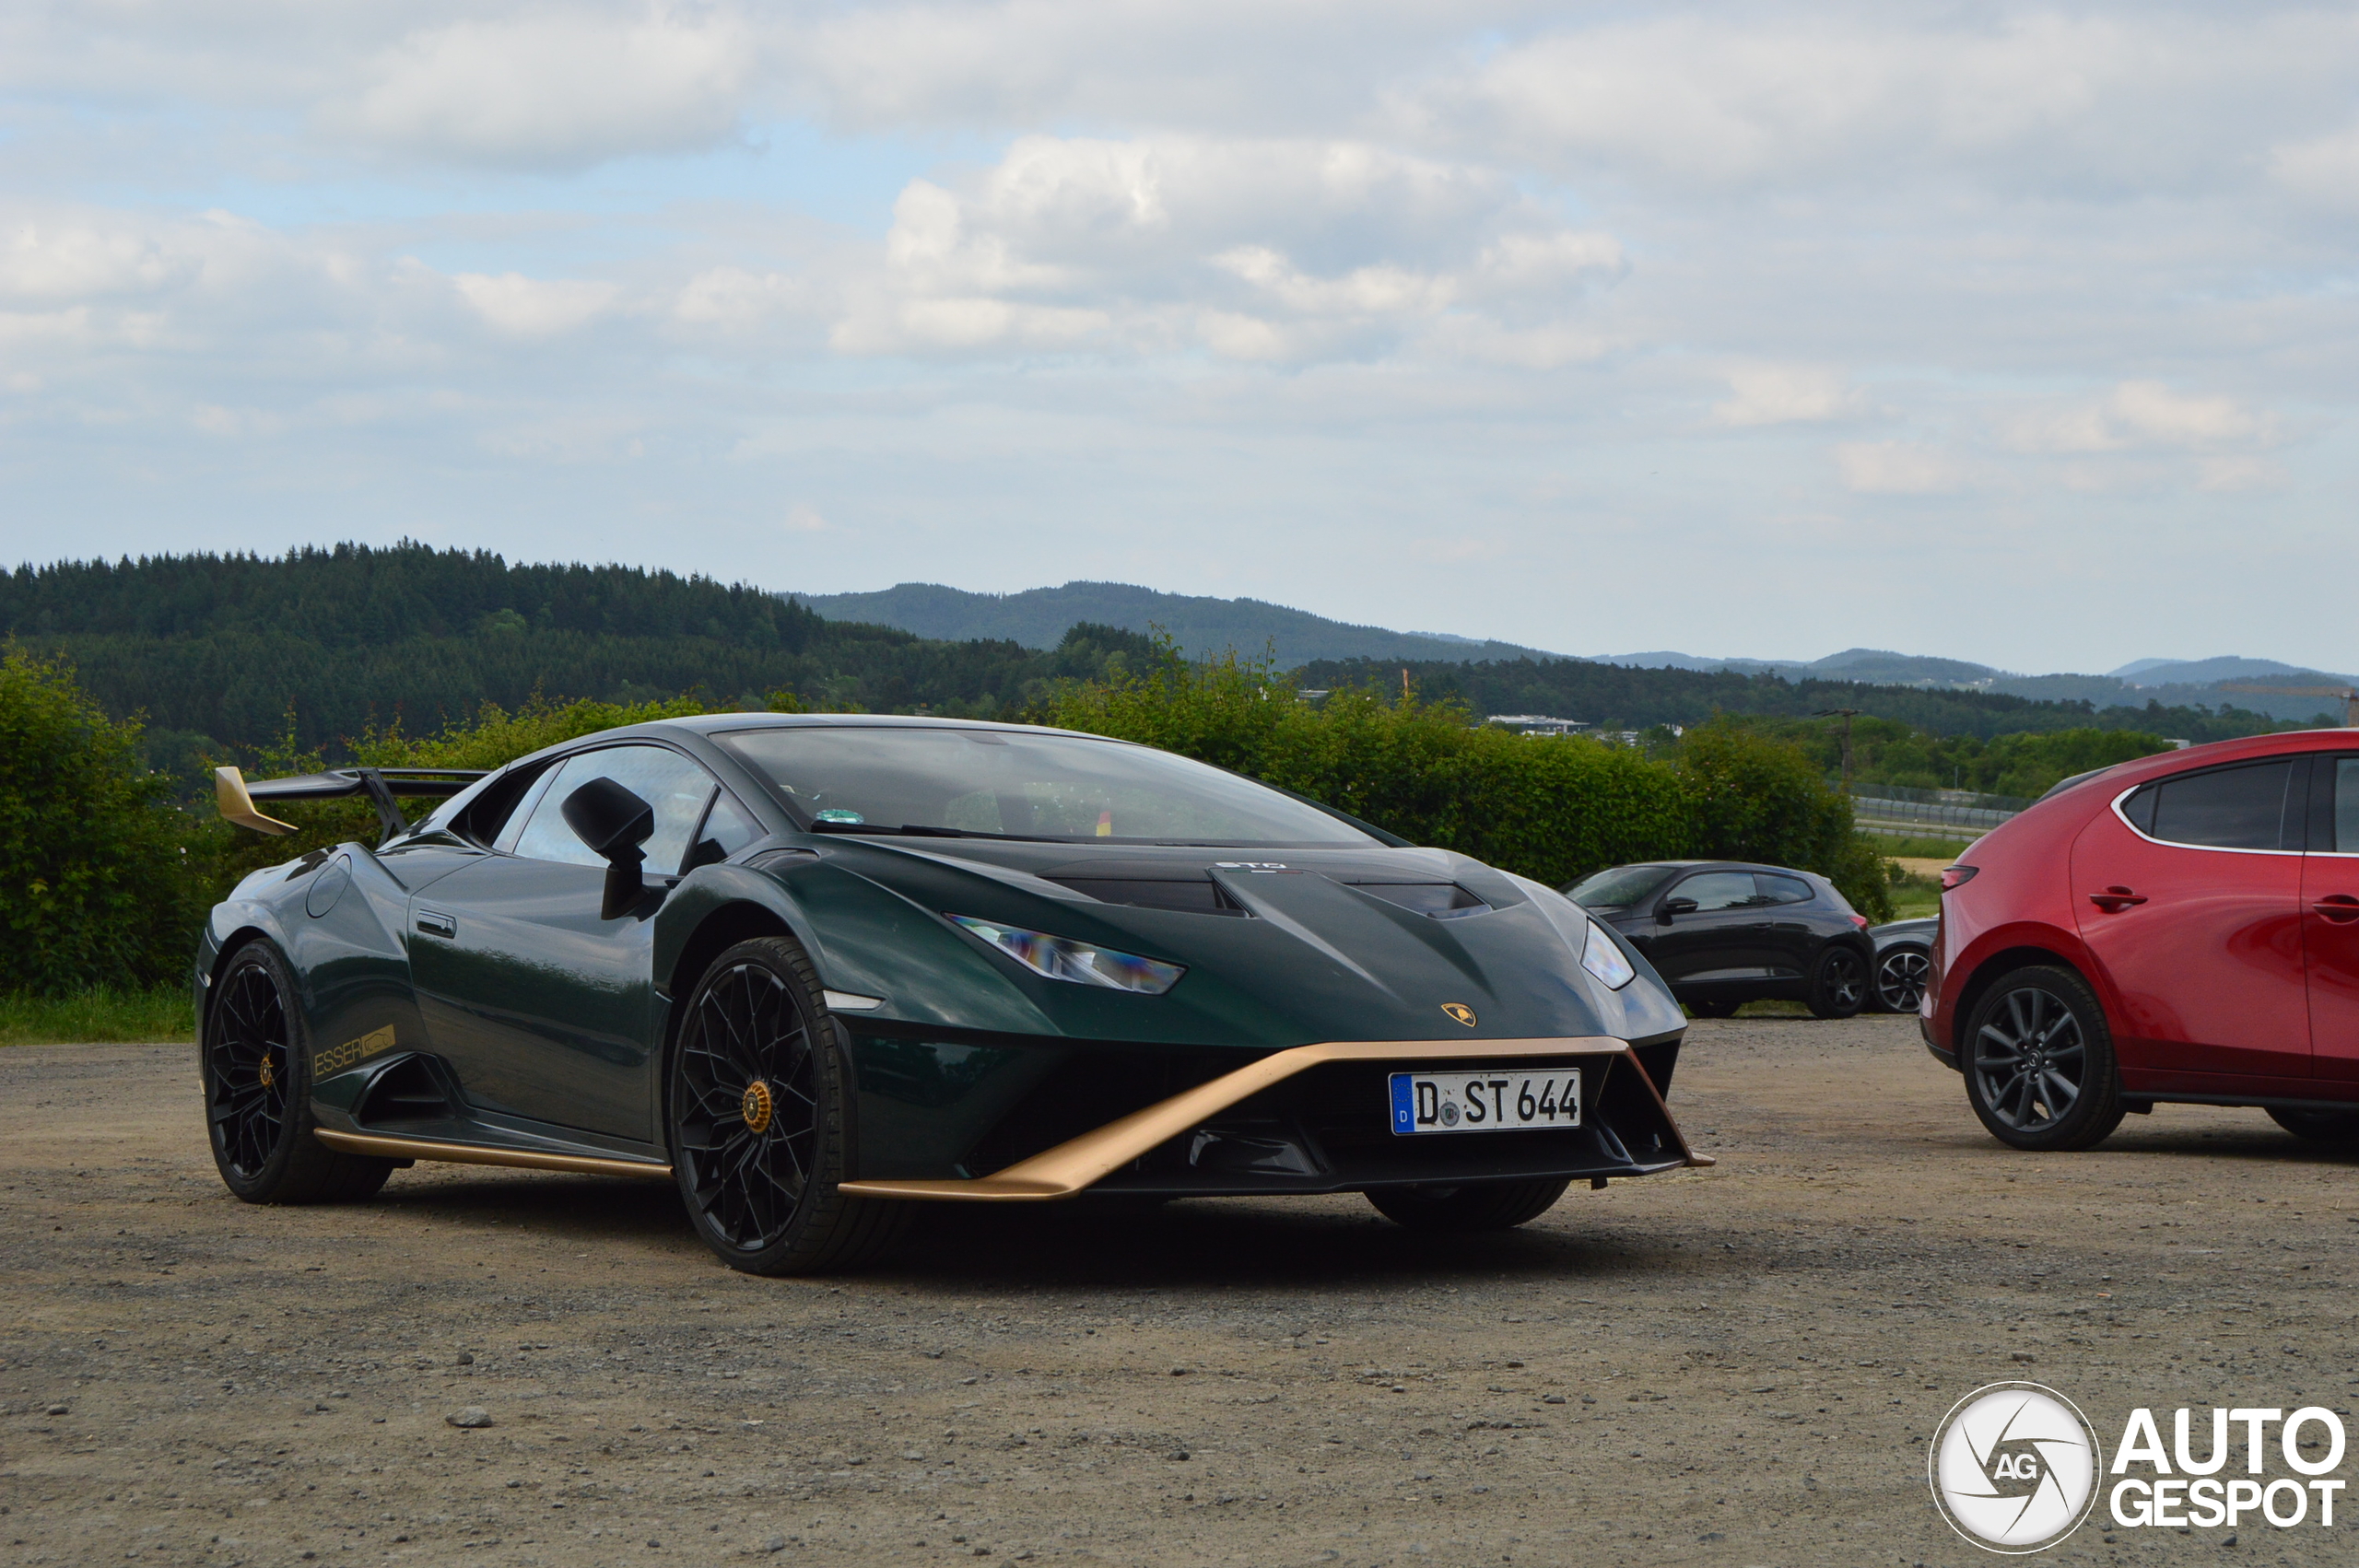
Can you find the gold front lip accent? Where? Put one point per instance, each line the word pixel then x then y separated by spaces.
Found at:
pixel 1071 1166
pixel 469 1155
pixel 230 799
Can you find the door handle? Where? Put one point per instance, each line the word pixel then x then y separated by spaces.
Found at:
pixel 2114 900
pixel 433 922
pixel 2339 908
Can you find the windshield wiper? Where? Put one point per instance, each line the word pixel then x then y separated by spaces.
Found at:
pixel 920 830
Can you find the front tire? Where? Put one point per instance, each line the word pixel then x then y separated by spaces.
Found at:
pixel 1714 1007
pixel 1839 983
pixel 1900 979
pixel 257 1068
pixel 2040 1071
pixel 2319 1127
pixel 760 1120
pixel 1492 1206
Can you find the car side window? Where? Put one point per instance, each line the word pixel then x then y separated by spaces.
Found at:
pixel 1782 889
pixel 1719 890
pixel 728 827
pixel 675 787
pixel 2229 808
pixel 2345 830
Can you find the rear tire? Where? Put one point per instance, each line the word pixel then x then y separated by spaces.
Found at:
pixel 256 1067
pixel 1719 1008
pixel 1839 983
pixel 1491 1206
pixel 2319 1127
pixel 2038 1054
pixel 1900 979
pixel 759 1117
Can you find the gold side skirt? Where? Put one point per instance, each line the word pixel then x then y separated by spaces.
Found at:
pixel 469 1155
pixel 1072 1165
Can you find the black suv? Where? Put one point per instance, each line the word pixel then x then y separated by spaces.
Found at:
pixel 1724 933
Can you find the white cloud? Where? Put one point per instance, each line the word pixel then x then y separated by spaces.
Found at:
pixel 558 89
pixel 530 307
pixel 1258 251
pixel 1786 394
pixel 2138 414
pixel 1899 468
pixel 2027 99
pixel 1292 281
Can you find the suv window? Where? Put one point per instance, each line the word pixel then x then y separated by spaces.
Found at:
pixel 2345 828
pixel 1782 889
pixel 675 787
pixel 2230 808
pixel 1719 890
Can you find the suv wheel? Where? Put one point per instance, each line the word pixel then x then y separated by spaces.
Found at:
pixel 2039 1066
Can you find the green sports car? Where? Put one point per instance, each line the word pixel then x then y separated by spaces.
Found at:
pixel 820 969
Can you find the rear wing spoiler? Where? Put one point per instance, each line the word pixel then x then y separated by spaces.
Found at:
pixel 236 798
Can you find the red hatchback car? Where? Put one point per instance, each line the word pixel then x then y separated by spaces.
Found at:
pixel 2184 926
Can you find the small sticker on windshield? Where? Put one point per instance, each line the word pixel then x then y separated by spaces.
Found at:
pixel 838 813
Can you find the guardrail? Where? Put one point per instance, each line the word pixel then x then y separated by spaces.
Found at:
pixel 1876 813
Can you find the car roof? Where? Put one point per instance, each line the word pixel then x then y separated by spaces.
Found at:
pixel 721 723
pixel 1710 866
pixel 2284 742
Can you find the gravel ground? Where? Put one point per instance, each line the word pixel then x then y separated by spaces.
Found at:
pixel 1737 1365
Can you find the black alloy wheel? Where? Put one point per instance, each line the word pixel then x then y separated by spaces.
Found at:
pixel 1838 982
pixel 256 1067
pixel 1486 1206
pixel 761 1120
pixel 1900 978
pixel 2318 1126
pixel 2040 1071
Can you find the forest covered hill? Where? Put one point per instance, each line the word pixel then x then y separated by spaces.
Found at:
pixel 1038 617
pixel 1617 696
pixel 227 653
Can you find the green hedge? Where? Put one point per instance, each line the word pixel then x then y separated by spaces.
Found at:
pixel 104 882
pixel 1550 809
pixel 110 877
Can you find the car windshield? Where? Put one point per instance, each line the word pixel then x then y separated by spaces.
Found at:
pixel 1021 785
pixel 1623 885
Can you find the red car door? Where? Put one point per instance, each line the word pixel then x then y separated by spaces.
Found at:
pixel 2189 893
pixel 2331 923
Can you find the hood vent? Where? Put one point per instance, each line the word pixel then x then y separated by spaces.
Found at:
pixel 1200 897
pixel 1442 900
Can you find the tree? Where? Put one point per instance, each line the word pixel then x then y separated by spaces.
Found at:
pixel 102 888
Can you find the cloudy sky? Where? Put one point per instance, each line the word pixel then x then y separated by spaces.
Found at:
pixel 2023 334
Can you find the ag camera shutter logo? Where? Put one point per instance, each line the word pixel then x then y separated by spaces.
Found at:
pixel 2014 1467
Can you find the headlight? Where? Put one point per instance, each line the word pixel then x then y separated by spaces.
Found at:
pixel 1601 956
pixel 1084 963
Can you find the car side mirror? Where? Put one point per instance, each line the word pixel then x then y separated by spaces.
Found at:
pixel 1670 907
pixel 613 822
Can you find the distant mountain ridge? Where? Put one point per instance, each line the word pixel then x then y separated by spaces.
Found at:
pixel 1038 617
pixel 2172 681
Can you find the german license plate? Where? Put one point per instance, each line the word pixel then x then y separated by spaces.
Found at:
pixel 1486 1099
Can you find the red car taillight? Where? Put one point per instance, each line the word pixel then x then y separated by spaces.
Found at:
pixel 1957 876
pixel 1861 922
